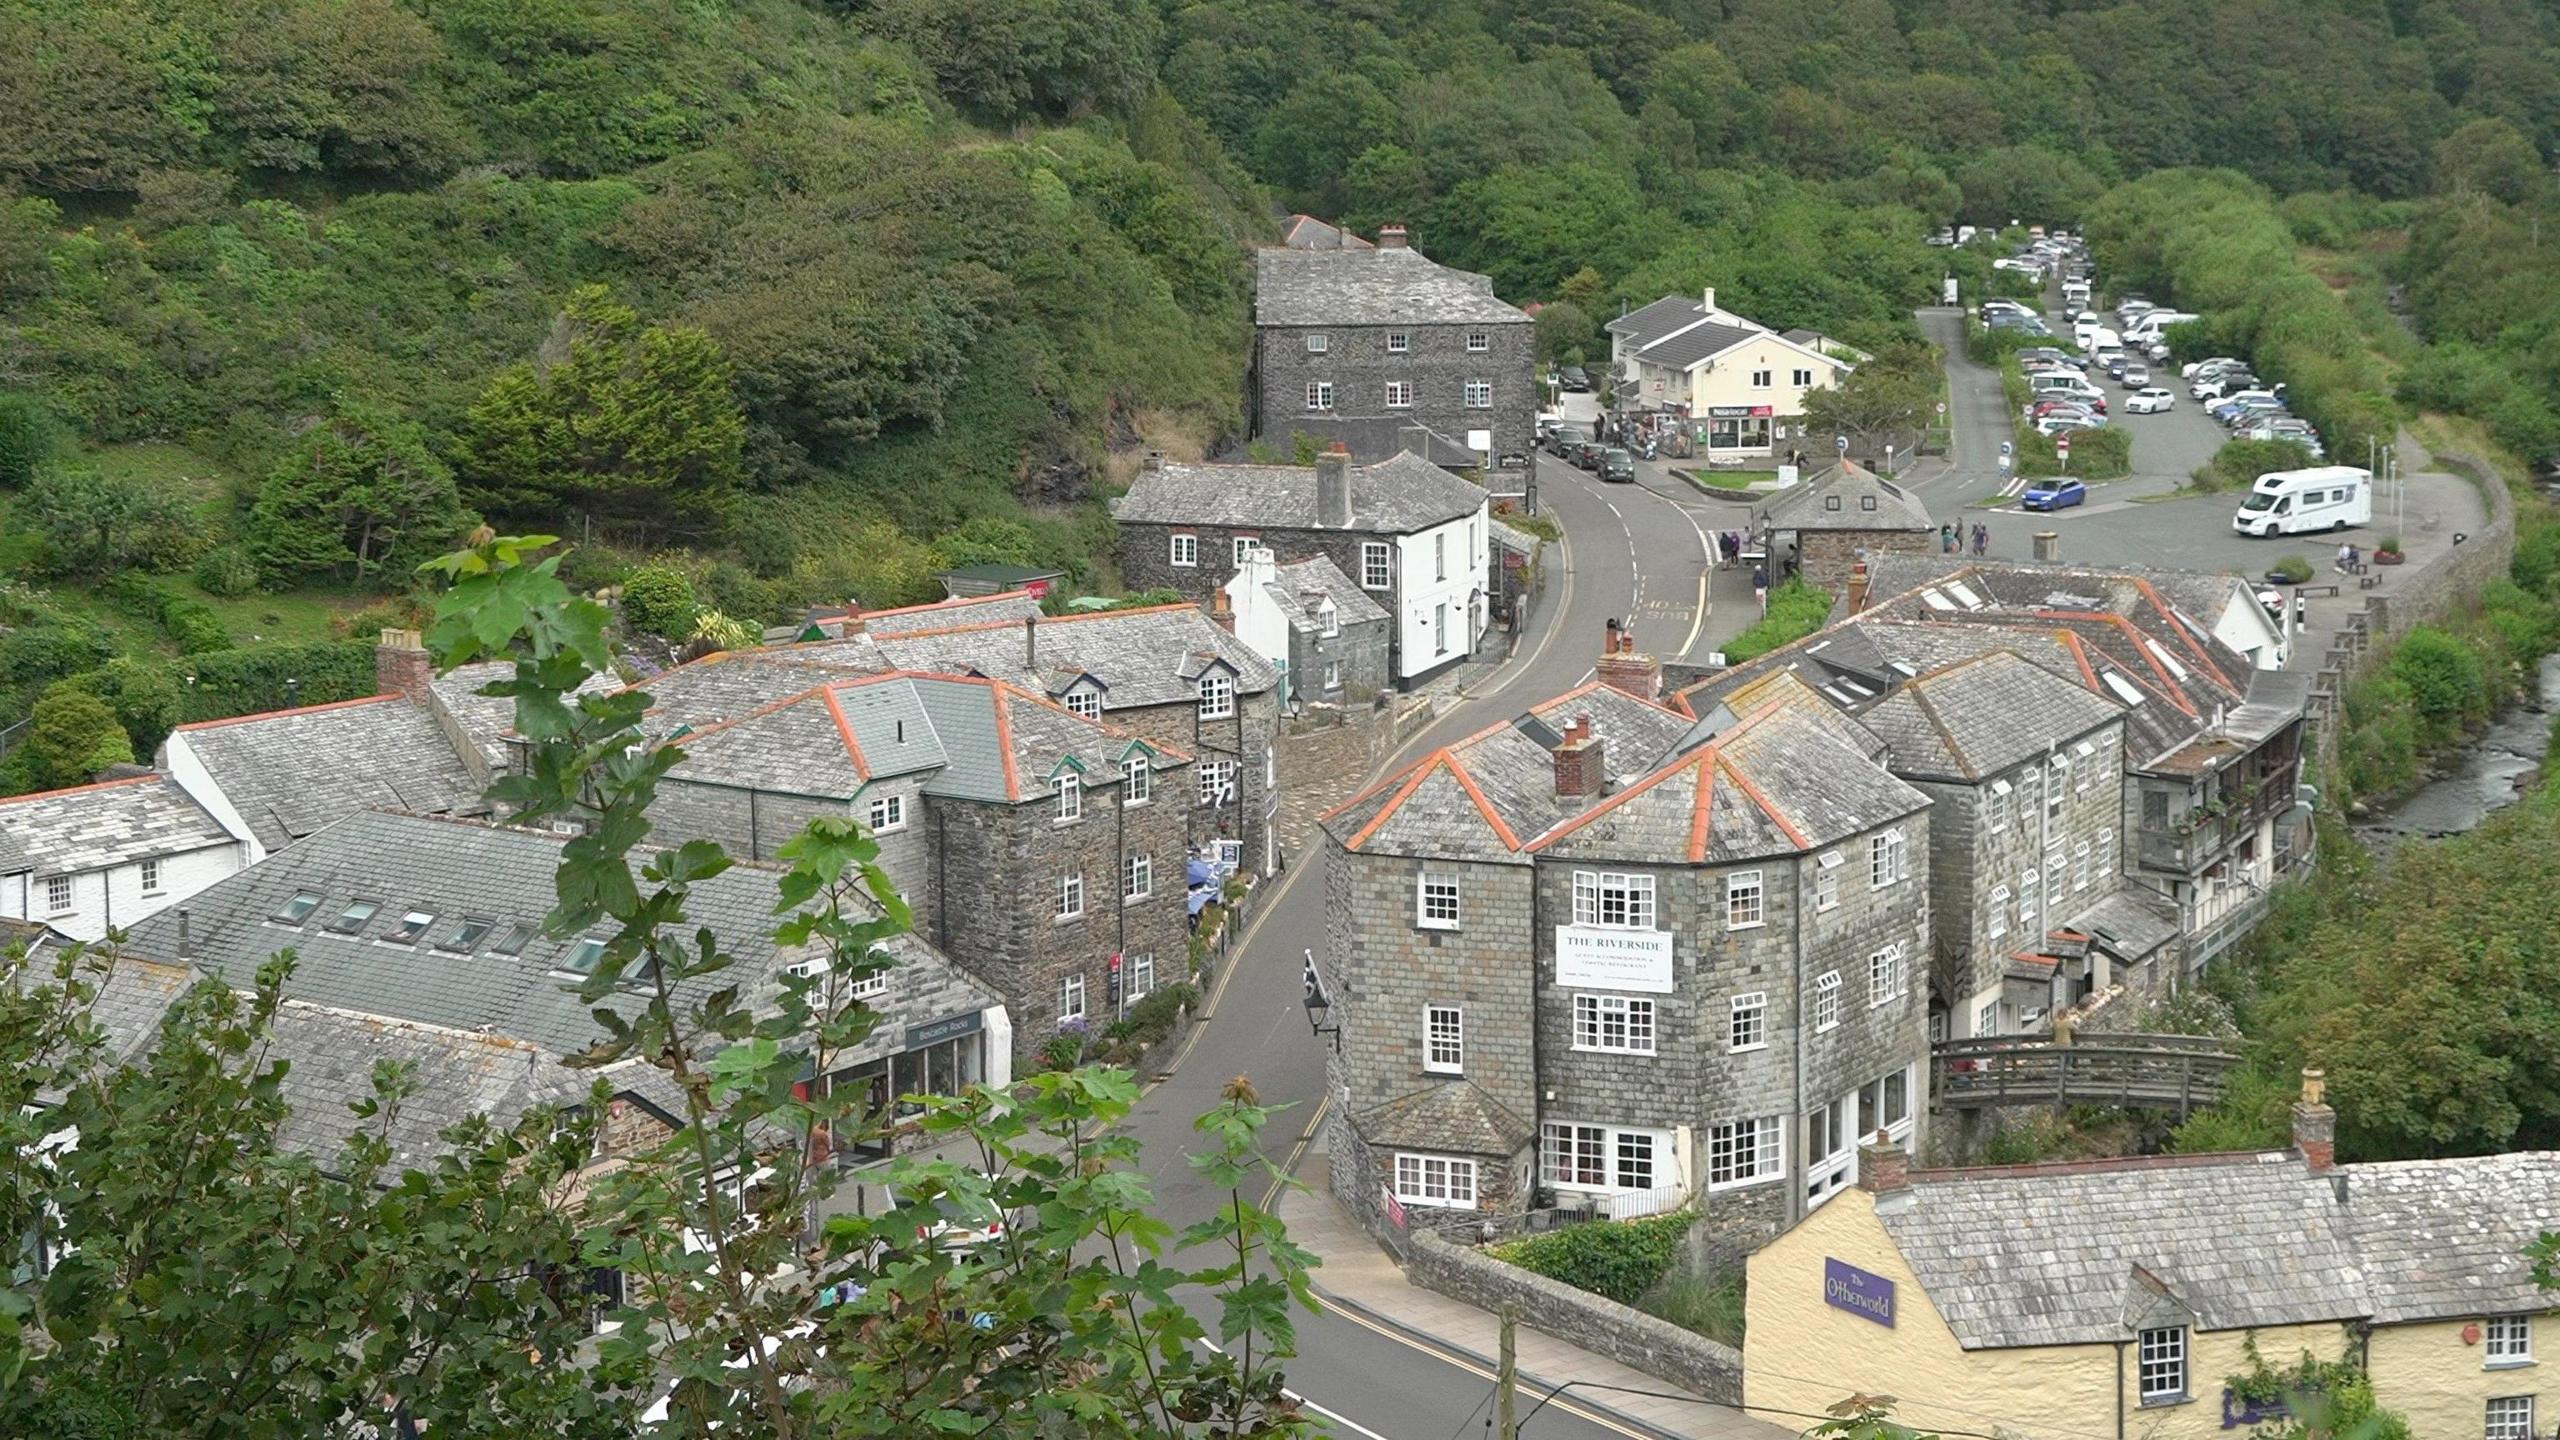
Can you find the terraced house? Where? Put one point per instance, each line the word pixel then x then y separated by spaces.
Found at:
pixel 1724 918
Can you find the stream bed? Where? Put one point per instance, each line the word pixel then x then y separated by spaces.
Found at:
pixel 2482 779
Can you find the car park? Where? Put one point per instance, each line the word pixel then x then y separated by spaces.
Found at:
pixel 2150 401
pixel 2054 494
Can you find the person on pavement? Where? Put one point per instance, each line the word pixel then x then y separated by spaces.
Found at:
pixel 1760 584
pixel 1981 539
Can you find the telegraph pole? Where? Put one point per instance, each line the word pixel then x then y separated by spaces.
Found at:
pixel 1506 1382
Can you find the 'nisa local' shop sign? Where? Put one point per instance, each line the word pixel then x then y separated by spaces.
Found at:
pixel 1846 1287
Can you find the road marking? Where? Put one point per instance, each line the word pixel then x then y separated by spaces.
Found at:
pixel 1451 1358
pixel 1306 1137
pixel 1336 1416
pixel 1701 622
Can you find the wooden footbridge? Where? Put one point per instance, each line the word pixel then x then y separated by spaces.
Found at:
pixel 2180 1072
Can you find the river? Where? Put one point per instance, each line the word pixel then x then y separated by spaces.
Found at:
pixel 2484 776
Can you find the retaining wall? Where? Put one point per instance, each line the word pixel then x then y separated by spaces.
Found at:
pixel 1604 1327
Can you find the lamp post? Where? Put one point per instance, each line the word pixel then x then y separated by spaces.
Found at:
pixel 1319 1005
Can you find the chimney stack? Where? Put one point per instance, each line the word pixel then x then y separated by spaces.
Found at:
pixel 2315 1125
pixel 853 624
pixel 1333 487
pixel 186 945
pixel 401 667
pixel 1624 670
pixel 1711 297
pixel 1031 643
pixel 2048 546
pixel 1155 459
pixel 1220 611
pixel 1858 587
pixel 1391 237
pixel 1581 764
pixel 1884 1168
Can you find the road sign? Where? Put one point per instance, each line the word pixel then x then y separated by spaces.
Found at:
pixel 1840 443
pixel 1942 407
pixel 2062 443
pixel 2005 449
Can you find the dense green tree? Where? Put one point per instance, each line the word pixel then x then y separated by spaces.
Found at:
pixel 2490 157
pixel 360 492
pixel 26 438
pixel 143 697
pixel 622 421
pixel 1567 335
pixel 96 524
pixel 73 736
pixel 1887 400
pixel 1020 59
pixel 2025 183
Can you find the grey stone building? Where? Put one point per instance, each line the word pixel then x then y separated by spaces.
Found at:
pixel 1725 920
pixel 1351 343
pixel 1413 536
pixel 1843 516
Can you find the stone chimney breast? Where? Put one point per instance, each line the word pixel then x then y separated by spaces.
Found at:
pixel 1333 488
pixel 401 666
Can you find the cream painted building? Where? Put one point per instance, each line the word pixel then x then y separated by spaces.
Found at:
pixel 2121 1297
pixel 1741 384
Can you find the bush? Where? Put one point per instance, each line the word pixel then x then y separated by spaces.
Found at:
pixel 1153 1018
pixel 399 613
pixel 2239 463
pixel 227 571
pixel 143 697
pixel 2445 678
pixel 26 439
pixel 255 678
pixel 1712 1307
pixel 188 621
pixel 1618 1259
pixel 659 601
pixel 37 655
pixel 2292 569
pixel 1796 609
pixel 73 737
pixel 2095 454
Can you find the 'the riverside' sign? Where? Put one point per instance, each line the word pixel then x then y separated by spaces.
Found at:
pixel 1846 1287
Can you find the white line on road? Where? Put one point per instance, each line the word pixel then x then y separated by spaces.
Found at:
pixel 1336 1416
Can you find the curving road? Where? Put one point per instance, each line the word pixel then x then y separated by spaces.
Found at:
pixel 1631 552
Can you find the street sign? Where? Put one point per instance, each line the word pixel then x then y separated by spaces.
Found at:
pixel 1942 407
pixel 1840 443
pixel 2062 443
pixel 2005 449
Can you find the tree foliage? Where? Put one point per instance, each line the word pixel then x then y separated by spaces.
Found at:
pixel 98 524
pixel 360 494
pixel 72 736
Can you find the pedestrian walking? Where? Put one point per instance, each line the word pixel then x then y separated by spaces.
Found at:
pixel 1981 539
pixel 1760 585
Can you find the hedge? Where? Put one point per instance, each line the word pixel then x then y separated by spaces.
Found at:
pixel 2095 454
pixel 1796 609
pixel 188 620
pixel 1618 1259
pixel 252 679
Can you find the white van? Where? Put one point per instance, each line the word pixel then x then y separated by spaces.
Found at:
pixel 2292 502
pixel 2150 327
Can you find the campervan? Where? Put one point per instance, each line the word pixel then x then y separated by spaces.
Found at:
pixel 2291 502
pixel 2155 325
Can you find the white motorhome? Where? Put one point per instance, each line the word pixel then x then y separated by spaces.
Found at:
pixel 2293 502
pixel 2154 324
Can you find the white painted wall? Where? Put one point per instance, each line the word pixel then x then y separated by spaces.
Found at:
pixel 100 898
pixel 180 762
pixel 2245 626
pixel 1427 582
pixel 1260 622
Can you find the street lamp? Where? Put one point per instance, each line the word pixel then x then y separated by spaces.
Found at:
pixel 1319 1005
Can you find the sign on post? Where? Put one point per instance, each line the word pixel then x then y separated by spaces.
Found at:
pixel 1867 1296
pixel 1840 443
pixel 2062 451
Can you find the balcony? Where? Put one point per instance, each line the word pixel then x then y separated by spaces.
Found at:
pixel 2212 836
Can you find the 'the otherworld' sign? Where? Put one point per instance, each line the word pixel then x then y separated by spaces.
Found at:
pixel 1846 1287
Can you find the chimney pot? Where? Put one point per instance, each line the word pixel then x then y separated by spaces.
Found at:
pixel 1391 237
pixel 1858 587
pixel 1031 643
pixel 1622 669
pixel 1710 297
pixel 1581 763
pixel 401 666
pixel 1884 1168
pixel 186 944
pixel 854 624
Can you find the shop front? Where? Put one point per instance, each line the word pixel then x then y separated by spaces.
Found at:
pixel 937 1057
pixel 1740 429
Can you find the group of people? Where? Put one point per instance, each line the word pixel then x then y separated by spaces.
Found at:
pixel 1645 434
pixel 1951 539
pixel 2350 560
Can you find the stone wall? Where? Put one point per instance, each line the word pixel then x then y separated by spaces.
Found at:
pixel 1435 363
pixel 1825 557
pixel 1244 740
pixel 1622 1333
pixel 1357 657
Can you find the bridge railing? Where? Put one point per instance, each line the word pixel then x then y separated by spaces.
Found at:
pixel 2154 1071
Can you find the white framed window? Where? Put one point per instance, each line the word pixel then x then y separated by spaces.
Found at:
pixel 1888 859
pixel 1137 878
pixel 888 812
pixel 58 894
pixel 1747 1026
pixel 2089 766
pixel 2080 866
pixel 1399 394
pixel 1613 899
pixel 1830 1150
pixel 2162 1365
pixel 1479 394
pixel 1070 798
pixel 2027 901
pixel 1759 379
pixel 2510 1418
pixel 1319 394
pixel 1435 900
pixel 1742 901
pixel 1615 1024
pixel 1440 628
pixel 2107 851
pixel 1995 806
pixel 1478 342
pixel 1142 975
pixel 1398 342
pixel 2057 787
pixel 1801 379
pixel 1746 1152
pixel 1071 999
pixel 1217 696
pixel 1377 565
pixel 1884 1104
pixel 1215 777
pixel 2057 870
pixel 1186 550
pixel 1333 674
pixel 1137 781
pixel 2510 1339
pixel 1888 975
pixel 1328 620
pixel 1826 1001
pixel 1601 1157
pixel 1319 344
pixel 1986 1021
pixel 1999 925
pixel 1241 548
pixel 1444 1180
pixel 1826 880
pixel 1071 895
pixel 1444 1039
pixel 150 877
pixel 1439 557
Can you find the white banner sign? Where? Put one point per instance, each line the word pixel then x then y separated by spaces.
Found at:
pixel 1589 957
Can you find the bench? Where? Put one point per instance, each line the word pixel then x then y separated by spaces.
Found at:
pixel 2315 589
pixel 2367 582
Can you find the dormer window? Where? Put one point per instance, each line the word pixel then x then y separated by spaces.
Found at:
pixel 1137 781
pixel 1085 703
pixel 1328 620
pixel 1070 798
pixel 1217 697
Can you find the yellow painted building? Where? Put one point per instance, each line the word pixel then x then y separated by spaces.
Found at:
pixel 2102 1299
pixel 1742 384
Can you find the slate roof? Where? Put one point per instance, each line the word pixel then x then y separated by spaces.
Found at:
pixel 2130 923
pixel 1455 1115
pixel 1150 656
pixel 458 869
pixel 1806 506
pixel 1646 324
pixel 487 720
pixel 1306 232
pixel 1373 438
pixel 1395 496
pixel 1385 286
pixel 722 687
pixel 291 772
pixel 2036 583
pixel 2047 1254
pixel 1702 340
pixel 1978 717
pixel 94 827
pixel 1297 588
pixel 1006 605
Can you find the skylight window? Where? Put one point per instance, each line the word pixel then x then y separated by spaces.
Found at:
pixel 411 929
pixel 513 942
pixel 355 917
pixel 1969 600
pixel 297 909
pixel 467 935
pixel 1936 601
pixel 2125 690
pixel 2162 653
pixel 581 956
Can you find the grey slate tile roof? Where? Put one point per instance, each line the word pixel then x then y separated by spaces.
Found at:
pixel 1807 506
pixel 1646 324
pixel 94 827
pixel 1306 232
pixel 1373 438
pixel 1977 717
pixel 1395 496
pixel 453 869
pixel 1384 286
pixel 2448 1237
pixel 1698 341
pixel 1012 606
pixel 1151 656
pixel 291 772
pixel 1455 1115
pixel 723 687
pixel 486 720
pixel 1299 588
pixel 2131 923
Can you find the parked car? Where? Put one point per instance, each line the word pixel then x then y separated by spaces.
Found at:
pixel 2199 369
pixel 2115 366
pixel 2222 384
pixel 1575 379
pixel 2135 375
pixel 2045 408
pixel 1617 467
pixel 1562 439
pixel 2063 423
pixel 2055 494
pixel 2150 402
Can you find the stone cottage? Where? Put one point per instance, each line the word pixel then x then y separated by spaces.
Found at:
pixel 1841 516
pixel 1327 638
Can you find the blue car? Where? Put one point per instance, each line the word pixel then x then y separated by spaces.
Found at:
pixel 2054 495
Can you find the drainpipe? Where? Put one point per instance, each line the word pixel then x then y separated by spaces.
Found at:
pixel 941 879
pixel 1537 1062
pixel 2119 1390
pixel 1120 914
pixel 1796 1207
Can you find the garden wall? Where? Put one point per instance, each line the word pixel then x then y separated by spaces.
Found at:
pixel 1604 1327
